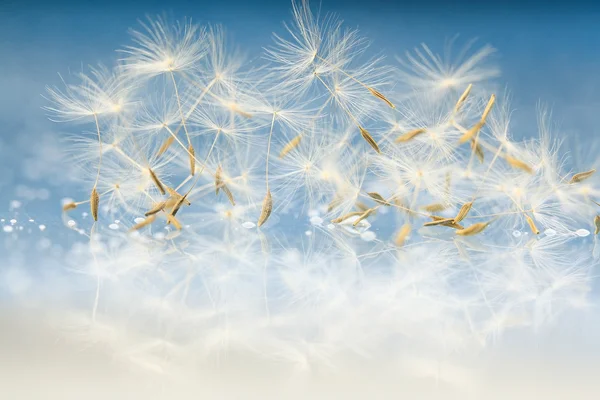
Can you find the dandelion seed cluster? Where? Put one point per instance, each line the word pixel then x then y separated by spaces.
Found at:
pixel 405 177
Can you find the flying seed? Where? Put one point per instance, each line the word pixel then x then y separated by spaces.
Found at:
pixel 532 226
pixel 165 146
pixel 378 198
pixel 346 216
pixel 597 224
pixel 435 207
pixel 363 216
pixel 468 135
pixel 291 145
pixel 582 176
pixel 462 98
pixel 69 206
pixel 402 234
pixel 94 203
pixel 488 108
pixel 192 154
pixel 173 193
pixel 143 223
pixel 218 179
pixel 361 206
pixel 159 207
pixel 159 185
pixel 410 135
pixel 381 96
pixel 367 136
pixel 229 195
pixel 438 221
pixel 267 207
pixel 174 221
pixel 473 229
pixel 516 163
pixel 476 147
pixel 462 213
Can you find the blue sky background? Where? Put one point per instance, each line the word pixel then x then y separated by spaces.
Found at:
pixel 547 52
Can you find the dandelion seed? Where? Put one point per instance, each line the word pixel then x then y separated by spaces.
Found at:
pixel 488 108
pixel 94 203
pixel 378 198
pixel 473 229
pixel 597 224
pixel 435 207
pixel 532 226
pixel 218 179
pixel 267 207
pixel 381 96
pixel 471 132
pixel 291 145
pixel 157 208
pixel 173 193
pixel 333 204
pixel 363 216
pixel 438 221
pixel 402 234
pixel 367 136
pixel 178 205
pixel 462 213
pixel 516 163
pixel 143 223
pixel 228 194
pixel 581 176
pixel 69 206
pixel 174 221
pixel 346 216
pixel 410 135
pixel 192 155
pixel 165 146
pixel 159 185
pixel 476 147
pixel 361 206
pixel 462 98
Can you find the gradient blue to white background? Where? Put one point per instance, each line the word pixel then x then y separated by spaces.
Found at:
pixel 548 53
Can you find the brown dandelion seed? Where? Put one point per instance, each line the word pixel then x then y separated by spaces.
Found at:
pixel 333 204
pixel 178 205
pixel 463 98
pixel 476 147
pixel 402 234
pixel 378 198
pixel 435 207
pixel 532 226
pixel 267 207
pixel 291 145
pixel 488 108
pixel 228 194
pixel 363 216
pixel 581 176
pixel 165 146
pixel 159 185
pixel 94 203
pixel 473 229
pixel 410 135
pixel 156 209
pixel 462 213
pixel 468 135
pixel 69 206
pixel 173 193
pixel 438 221
pixel 192 154
pixel 346 216
pixel 369 139
pixel 516 163
pixel 381 97
pixel 597 224
pixel 218 179
pixel 174 221
pixel 144 223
